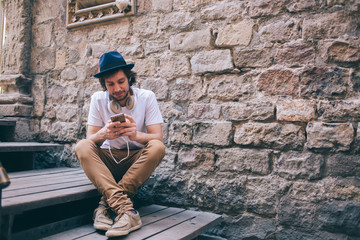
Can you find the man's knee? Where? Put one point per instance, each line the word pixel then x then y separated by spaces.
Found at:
pixel 82 148
pixel 156 150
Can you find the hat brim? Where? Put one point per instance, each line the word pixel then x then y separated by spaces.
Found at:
pixel 128 66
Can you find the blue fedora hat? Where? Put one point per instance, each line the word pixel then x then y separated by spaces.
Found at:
pixel 112 60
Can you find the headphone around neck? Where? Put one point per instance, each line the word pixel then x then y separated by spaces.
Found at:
pixel 115 107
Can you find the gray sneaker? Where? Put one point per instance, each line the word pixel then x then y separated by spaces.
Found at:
pixel 129 221
pixel 102 219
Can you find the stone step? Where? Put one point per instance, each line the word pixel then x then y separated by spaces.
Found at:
pixel 7 122
pixel 29 147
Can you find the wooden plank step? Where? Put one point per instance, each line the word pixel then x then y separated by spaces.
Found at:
pixel 7 122
pixel 29 147
pixel 48 187
pixel 159 223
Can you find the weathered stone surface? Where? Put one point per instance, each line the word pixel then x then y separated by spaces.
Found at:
pixel 213 133
pixel 344 189
pixel 343 165
pixel 191 40
pixel 64 131
pixel 339 52
pixel 43 60
pixel 145 26
pixel 211 61
pixel 340 217
pixel 181 133
pixel 302 5
pixel 330 136
pixel 162 5
pixel 261 8
pixel 145 67
pixel 296 53
pixel 324 82
pixel 295 110
pixel 235 34
pixel 270 135
pixel 173 66
pixel 332 25
pixel 186 5
pixel 176 21
pixel 202 158
pixel 297 214
pixel 306 191
pixel 134 50
pixel 285 234
pixel 158 86
pixel 240 160
pixel 242 111
pixel 244 57
pixel 279 82
pixel 248 227
pixel 279 31
pixel 204 111
pixel 222 10
pixel 69 74
pixel 41 37
pixel 231 87
pixel 339 111
pixel 38 92
pixel 202 191
pixel 15 110
pixel 263 200
pixel 294 165
pixel 231 194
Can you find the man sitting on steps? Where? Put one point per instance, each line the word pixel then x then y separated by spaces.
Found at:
pixel 119 156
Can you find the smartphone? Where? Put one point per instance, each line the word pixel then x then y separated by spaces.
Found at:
pixel 118 118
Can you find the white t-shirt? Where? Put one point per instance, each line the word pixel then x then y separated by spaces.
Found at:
pixel 145 112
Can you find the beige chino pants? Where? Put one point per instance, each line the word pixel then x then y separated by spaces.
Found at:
pixel 118 183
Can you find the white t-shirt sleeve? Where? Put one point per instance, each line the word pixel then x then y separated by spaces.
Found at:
pixel 153 114
pixel 94 117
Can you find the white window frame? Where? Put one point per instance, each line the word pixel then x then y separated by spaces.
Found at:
pixel 96 13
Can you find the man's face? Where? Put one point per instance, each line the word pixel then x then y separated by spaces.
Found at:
pixel 118 85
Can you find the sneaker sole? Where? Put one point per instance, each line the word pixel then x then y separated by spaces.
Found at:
pixel 122 233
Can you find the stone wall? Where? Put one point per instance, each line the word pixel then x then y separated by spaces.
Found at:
pixel 260 99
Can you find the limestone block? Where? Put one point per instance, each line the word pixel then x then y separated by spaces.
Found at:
pixel 270 135
pixel 243 111
pixel 42 60
pixel 250 226
pixel 145 67
pixel 202 191
pixel 169 110
pixel 69 74
pixel 162 5
pixel 330 136
pixel 64 131
pixel 176 21
pixel 339 52
pixel 38 93
pixel 211 61
pixel 324 82
pixel 134 50
pixel 16 110
pixel 295 110
pixel 222 10
pixel 235 34
pixel 302 5
pixel 244 57
pixel 204 111
pixel 99 49
pixel 326 26
pixel 343 189
pixel 279 82
pixel 213 133
pixel 296 53
pixel 240 160
pixel 279 31
pixel 200 158
pixel 260 8
pixel 231 193
pixel 156 46
pixel 67 113
pixel 263 200
pixel 158 86
pixel 168 162
pixel 47 10
pixel 314 191
pixel 191 5
pixel 294 165
pixel 340 165
pixel 340 216
pixel 339 111
pixel 231 87
pixel 297 214
pixel 191 40
pixel 173 66
pixel 41 35
pixel 144 27
pixel 181 132
pixel 60 59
